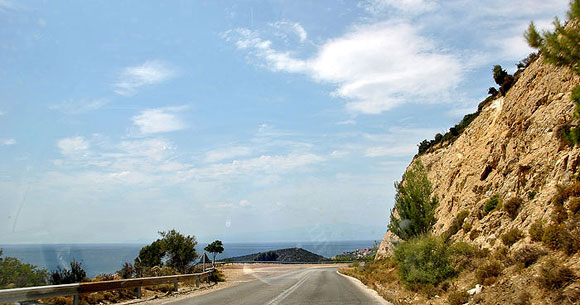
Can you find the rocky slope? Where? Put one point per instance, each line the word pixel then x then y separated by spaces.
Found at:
pixel 512 149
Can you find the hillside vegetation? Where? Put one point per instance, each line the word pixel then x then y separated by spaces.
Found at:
pixel 282 255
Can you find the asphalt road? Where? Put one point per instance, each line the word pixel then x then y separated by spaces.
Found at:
pixel 303 286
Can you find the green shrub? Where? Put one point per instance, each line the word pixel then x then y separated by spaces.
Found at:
pixel 127 271
pixel 414 211
pixel 457 298
pixel 75 274
pixel 556 237
pixel 536 230
pixel 217 276
pixel 512 206
pixel 467 227
pixel 15 274
pixel 456 225
pixel 559 214
pixel 532 195
pixel 487 273
pixel 424 260
pixel 554 275
pixel 463 254
pixel 173 249
pixel 511 237
pixel 528 254
pixel 492 204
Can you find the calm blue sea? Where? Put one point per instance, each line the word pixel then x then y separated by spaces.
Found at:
pixel 107 258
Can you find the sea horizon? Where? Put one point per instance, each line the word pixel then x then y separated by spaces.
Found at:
pixel 104 258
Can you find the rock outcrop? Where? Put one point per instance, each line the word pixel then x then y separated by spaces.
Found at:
pixel 512 149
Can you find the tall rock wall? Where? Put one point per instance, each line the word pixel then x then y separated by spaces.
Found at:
pixel 512 149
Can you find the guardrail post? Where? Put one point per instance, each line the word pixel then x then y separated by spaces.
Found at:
pixel 197 282
pixel 76 299
pixel 175 286
pixel 138 292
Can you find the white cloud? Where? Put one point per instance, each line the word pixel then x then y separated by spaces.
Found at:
pixel 73 146
pixel 153 149
pixel 346 122
pixel 219 206
pixel 244 203
pixel 391 151
pixel 375 67
pixel 290 27
pixel 6 5
pixel 260 166
pixel 8 142
pixel 76 106
pixel 229 153
pixel 411 7
pixel 246 39
pixel 159 120
pixel 149 73
pixel 2 113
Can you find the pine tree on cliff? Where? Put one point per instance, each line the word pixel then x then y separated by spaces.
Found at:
pixel 560 47
pixel 414 211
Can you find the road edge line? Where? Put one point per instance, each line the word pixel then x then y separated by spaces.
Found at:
pixel 364 287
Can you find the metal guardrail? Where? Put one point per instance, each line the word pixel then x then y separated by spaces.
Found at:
pixel 41 292
pixel 287 263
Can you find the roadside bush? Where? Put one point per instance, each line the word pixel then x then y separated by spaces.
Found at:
pixel 554 275
pixel 528 255
pixel 512 207
pixel 458 298
pixel 424 260
pixel 487 273
pixel 217 276
pixel 127 271
pixel 536 230
pixel 173 249
pixel 492 204
pixel 511 237
pixel 15 274
pixel 75 274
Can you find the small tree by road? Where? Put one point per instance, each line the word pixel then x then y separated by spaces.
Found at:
pixel 414 211
pixel 214 248
pixel 173 249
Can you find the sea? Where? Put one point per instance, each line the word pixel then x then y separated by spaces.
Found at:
pixel 107 258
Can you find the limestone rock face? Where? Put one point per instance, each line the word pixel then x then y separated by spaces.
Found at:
pixel 512 149
pixel 387 246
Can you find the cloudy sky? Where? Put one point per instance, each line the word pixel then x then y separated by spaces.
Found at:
pixel 238 120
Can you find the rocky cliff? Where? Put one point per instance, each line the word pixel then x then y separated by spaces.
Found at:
pixel 512 149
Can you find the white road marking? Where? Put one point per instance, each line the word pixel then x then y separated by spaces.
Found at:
pixel 366 289
pixel 288 291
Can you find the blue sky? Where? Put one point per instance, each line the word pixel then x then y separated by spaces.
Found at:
pixel 237 120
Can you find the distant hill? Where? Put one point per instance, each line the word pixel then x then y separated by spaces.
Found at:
pixel 282 255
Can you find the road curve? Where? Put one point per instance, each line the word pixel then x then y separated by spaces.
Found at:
pixel 321 285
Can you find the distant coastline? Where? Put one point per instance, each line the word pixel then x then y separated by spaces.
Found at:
pixel 109 257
